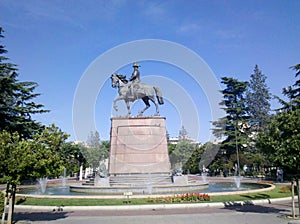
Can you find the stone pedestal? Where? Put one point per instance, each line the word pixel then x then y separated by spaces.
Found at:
pixel 138 147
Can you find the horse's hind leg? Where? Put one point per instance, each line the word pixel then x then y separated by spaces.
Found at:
pixel 146 101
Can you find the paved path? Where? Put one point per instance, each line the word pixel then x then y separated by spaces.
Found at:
pixel 275 213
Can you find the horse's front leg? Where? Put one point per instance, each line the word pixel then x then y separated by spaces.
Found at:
pixel 115 102
pixel 128 108
pixel 156 105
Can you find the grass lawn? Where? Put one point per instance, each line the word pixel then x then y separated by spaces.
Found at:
pixel 278 192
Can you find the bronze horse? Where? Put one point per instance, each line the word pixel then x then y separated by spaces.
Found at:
pixel 140 91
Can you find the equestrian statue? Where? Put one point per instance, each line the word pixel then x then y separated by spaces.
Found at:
pixel 132 90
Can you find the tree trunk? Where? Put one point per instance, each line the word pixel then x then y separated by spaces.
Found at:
pixel 11 204
pixel 10 209
pixel 293 199
pixel 5 203
pixel 80 172
pixel 298 192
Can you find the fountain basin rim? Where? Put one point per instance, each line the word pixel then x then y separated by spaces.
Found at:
pixel 140 190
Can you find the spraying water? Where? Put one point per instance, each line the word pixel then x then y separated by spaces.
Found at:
pixel 43 184
pixel 64 179
pixel 237 178
pixel 204 174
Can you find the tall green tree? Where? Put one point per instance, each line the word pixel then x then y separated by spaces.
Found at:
pixel 258 100
pixel 234 126
pixel 281 141
pixel 292 92
pixel 17 100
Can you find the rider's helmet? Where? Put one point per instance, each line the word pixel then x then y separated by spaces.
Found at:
pixel 136 64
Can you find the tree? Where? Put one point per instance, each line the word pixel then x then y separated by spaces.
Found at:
pixel 183 134
pixel 73 157
pixel 181 152
pixel 94 140
pixel 257 100
pixel 193 164
pixel 281 141
pixel 96 150
pixel 234 126
pixel 16 100
pixel 292 92
pixel 22 159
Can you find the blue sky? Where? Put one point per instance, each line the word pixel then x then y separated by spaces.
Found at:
pixel 54 42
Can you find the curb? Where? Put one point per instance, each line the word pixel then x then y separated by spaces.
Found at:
pixel 151 206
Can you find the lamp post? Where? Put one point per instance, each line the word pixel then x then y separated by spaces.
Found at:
pixel 237 149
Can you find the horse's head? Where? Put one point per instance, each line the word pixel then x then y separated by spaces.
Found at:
pixel 114 80
pixel 118 79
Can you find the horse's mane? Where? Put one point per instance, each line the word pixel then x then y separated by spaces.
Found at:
pixel 122 78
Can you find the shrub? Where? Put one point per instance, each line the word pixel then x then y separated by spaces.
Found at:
pixel 285 189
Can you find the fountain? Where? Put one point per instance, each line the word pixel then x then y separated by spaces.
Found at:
pixel 204 174
pixel 237 181
pixel 220 188
pixel 237 178
pixel 64 179
pixel 43 184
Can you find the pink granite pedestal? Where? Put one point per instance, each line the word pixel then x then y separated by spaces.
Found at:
pixel 138 146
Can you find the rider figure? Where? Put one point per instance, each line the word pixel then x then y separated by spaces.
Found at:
pixel 135 78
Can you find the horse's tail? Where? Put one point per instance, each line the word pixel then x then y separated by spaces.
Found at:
pixel 158 95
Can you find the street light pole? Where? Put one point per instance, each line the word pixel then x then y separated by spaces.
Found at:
pixel 237 149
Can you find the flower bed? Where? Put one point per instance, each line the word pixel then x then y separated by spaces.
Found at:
pixel 179 198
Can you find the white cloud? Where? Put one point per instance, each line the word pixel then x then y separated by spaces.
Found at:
pixel 228 34
pixel 189 28
pixel 153 9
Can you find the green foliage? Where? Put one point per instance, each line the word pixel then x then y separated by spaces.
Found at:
pixel 16 100
pixel 247 112
pixel 28 159
pixel 292 92
pixel 181 153
pixel 234 126
pixel 257 99
pixel 95 151
pixel 193 163
pixel 50 158
pixel 73 157
pixel 282 141
pixel 16 159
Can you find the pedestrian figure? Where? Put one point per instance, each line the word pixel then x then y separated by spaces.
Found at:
pixel 280 174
